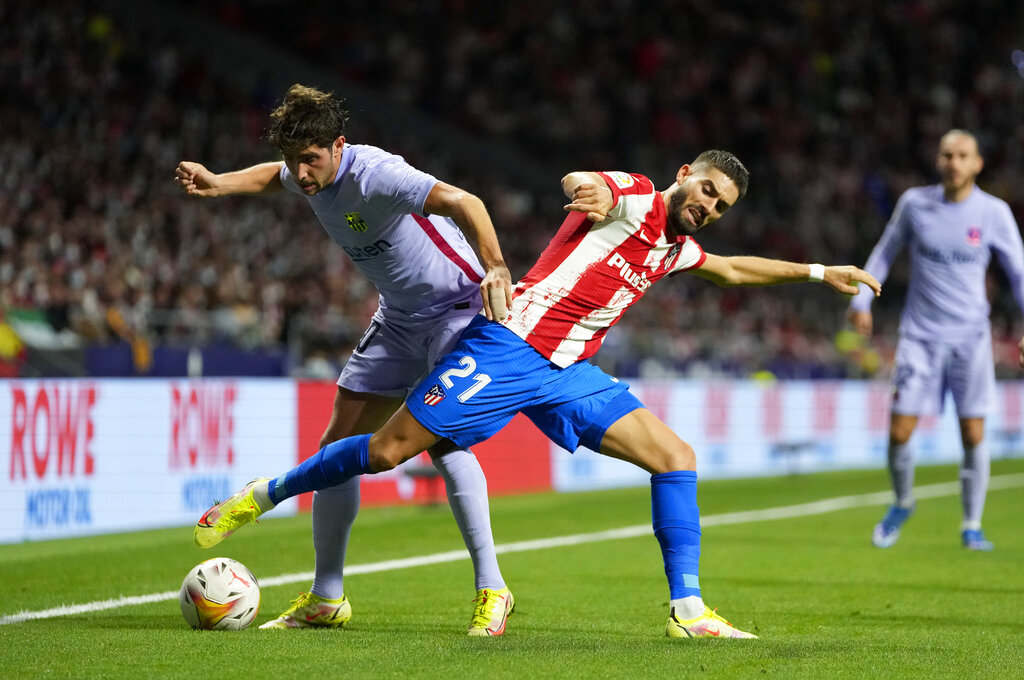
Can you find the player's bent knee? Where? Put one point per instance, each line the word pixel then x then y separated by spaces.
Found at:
pixel 642 439
pixel 670 456
pixel 677 458
pixel 382 459
pixel 398 441
pixel 386 453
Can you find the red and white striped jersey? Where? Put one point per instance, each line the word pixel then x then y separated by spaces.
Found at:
pixel 591 273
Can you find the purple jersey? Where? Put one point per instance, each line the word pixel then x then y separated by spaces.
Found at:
pixel 421 265
pixel 950 247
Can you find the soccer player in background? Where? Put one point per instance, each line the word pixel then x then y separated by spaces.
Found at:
pixel 404 230
pixel 621 236
pixel 951 230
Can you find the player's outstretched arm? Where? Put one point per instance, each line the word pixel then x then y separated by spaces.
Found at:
pixel 195 180
pixel 470 214
pixel 589 194
pixel 760 271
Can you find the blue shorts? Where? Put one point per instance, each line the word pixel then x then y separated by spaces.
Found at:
pixel 492 374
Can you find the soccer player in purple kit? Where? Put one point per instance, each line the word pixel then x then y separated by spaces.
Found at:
pixel 621 237
pixel 404 230
pixel 951 231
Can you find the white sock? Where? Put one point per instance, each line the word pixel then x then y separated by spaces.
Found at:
pixel 687 607
pixel 466 486
pixel 334 512
pixel 974 475
pixel 261 494
pixel 901 471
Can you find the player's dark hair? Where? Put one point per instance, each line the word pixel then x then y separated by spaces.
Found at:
pixel 306 117
pixel 727 164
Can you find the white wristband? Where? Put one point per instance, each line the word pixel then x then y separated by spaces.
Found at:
pixel 817 273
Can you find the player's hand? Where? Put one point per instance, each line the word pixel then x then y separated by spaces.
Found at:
pixel 844 278
pixel 496 290
pixel 863 323
pixel 593 199
pixel 1020 352
pixel 194 179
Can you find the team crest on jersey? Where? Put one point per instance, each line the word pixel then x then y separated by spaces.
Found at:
pixel 434 396
pixel 974 236
pixel 622 180
pixel 355 222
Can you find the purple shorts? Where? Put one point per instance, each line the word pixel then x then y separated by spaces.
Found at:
pixel 391 358
pixel 926 370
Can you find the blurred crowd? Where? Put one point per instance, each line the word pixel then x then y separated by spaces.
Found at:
pixel 836 108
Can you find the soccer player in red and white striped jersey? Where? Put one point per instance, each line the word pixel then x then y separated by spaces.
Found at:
pixel 591 273
pixel 622 235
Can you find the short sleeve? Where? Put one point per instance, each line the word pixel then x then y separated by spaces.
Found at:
pixel 624 185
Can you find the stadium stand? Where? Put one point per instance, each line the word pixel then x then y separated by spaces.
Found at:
pixel 835 107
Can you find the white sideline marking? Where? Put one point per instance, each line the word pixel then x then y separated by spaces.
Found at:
pixel 784 512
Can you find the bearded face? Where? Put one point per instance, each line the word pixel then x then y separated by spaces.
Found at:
pixel 684 220
pixel 701 196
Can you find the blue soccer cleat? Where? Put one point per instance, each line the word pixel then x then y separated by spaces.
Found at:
pixel 974 539
pixel 887 532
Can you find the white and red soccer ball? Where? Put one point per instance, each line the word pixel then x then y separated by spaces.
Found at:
pixel 219 594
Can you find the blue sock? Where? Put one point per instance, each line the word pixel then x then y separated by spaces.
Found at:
pixel 676 519
pixel 337 462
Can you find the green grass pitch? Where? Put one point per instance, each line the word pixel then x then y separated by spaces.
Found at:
pixel 824 601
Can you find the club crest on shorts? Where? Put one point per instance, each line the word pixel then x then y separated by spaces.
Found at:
pixel 433 396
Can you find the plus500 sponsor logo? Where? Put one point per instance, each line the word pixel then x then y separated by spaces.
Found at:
pixel 637 280
pixel 52 432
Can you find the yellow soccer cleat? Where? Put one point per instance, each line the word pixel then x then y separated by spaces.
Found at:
pixel 493 607
pixel 312 611
pixel 709 624
pixel 224 518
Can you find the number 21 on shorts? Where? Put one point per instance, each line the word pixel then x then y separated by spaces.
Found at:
pixel 468 366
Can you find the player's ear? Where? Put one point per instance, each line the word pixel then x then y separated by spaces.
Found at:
pixel 684 172
pixel 339 144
